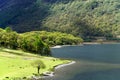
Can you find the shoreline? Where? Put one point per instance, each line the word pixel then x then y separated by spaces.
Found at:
pixel 64 65
pixel 104 42
pixel 51 74
pixel 87 43
pixel 60 46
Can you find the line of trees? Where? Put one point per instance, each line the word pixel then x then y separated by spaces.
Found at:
pixel 35 41
pixel 13 40
pixel 56 38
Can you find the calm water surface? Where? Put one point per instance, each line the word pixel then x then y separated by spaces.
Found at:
pixel 93 62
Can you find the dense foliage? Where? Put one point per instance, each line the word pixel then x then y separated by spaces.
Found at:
pixel 35 41
pixel 8 38
pixel 56 38
pixel 85 18
pixel 30 43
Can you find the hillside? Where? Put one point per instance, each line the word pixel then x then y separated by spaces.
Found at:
pixel 21 15
pixel 85 18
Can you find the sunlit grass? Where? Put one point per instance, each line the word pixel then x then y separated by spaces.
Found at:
pixel 16 63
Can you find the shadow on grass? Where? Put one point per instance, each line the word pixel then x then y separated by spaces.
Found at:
pixel 19 53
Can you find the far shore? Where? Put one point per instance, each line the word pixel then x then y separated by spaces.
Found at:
pixel 88 43
pixel 60 46
pixel 104 42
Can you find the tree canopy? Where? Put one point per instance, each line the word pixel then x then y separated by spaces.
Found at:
pixel 36 41
pixel 30 43
pixel 56 38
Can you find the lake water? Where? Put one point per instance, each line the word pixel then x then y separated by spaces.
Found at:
pixel 93 62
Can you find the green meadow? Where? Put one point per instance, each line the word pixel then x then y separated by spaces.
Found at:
pixel 16 63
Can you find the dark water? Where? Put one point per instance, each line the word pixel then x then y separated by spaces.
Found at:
pixel 93 62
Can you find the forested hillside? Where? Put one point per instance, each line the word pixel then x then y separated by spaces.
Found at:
pixel 85 18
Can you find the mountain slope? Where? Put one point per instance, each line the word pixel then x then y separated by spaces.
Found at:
pixel 21 15
pixel 84 18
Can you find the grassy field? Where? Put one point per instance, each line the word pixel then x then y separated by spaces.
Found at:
pixel 16 63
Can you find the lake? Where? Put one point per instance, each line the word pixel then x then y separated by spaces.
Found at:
pixel 93 62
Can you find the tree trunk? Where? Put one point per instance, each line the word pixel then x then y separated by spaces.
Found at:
pixel 38 69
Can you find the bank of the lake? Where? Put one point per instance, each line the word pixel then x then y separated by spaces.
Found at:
pixel 16 64
pixel 51 74
pixel 105 42
pixel 87 43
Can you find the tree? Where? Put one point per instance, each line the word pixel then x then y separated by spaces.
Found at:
pixel 8 29
pixel 8 38
pixel 39 65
